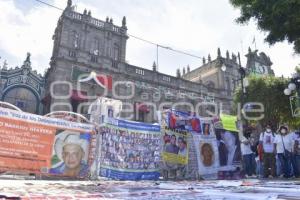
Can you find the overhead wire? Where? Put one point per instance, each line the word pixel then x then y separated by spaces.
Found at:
pixel 136 37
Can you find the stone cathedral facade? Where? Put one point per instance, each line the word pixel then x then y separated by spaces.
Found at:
pixel 83 45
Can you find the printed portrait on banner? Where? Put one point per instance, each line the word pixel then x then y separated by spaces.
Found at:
pixel 175 147
pixel 229 147
pixel 70 154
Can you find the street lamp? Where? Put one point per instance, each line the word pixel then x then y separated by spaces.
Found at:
pixel 244 83
pixel 293 85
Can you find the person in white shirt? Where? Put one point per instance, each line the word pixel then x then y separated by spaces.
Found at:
pixel 266 139
pixel 248 154
pixel 283 146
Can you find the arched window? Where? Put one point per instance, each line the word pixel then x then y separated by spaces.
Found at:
pixel 210 84
pixel 22 98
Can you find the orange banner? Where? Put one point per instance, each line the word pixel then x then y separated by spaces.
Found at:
pixel 25 146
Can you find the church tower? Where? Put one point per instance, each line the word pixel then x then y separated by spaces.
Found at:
pixel 83 44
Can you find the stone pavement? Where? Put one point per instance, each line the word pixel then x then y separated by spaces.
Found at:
pixel 241 189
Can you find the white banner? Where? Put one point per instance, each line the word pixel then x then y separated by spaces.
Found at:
pixel 207 155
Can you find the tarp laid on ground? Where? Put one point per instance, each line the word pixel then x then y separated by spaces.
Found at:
pixel 42 145
pixel 130 150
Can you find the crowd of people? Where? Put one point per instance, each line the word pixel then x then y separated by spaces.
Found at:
pixel 275 154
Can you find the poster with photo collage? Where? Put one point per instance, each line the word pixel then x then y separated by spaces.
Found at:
pixel 130 150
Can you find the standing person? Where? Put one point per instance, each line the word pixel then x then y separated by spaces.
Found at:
pixel 283 147
pixel 248 154
pixel 296 154
pixel 266 140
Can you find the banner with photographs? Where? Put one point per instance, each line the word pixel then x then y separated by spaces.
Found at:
pixel 207 156
pixel 41 145
pixel 130 150
pixel 229 154
pixel 180 121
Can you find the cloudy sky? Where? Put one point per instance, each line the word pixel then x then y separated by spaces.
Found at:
pixel 198 27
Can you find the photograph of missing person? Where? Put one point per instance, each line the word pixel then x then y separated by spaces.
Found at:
pixel 70 154
pixel 206 129
pixel 110 112
pixel 207 154
pixel 195 125
pixel 175 145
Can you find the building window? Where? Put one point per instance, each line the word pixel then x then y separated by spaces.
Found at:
pixel 74 39
pixel 210 84
pixel 166 78
pixel 23 98
pixel 72 53
pixel 95 46
pixel 228 86
pixel 20 104
pixel 234 84
pixel 108 53
pixel 140 72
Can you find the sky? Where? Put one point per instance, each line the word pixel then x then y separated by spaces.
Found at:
pixel 197 27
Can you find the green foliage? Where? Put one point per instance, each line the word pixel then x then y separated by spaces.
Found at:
pixel 280 18
pixel 269 91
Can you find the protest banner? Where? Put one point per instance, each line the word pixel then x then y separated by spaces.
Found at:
pixel 36 144
pixel 175 126
pixel 180 121
pixel 130 150
pixel 175 147
pixel 229 154
pixel 207 155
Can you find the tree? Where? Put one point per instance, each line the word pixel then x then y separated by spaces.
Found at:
pixel 269 92
pixel 280 18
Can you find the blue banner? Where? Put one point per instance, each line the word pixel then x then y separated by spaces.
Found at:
pixel 131 176
pixel 130 150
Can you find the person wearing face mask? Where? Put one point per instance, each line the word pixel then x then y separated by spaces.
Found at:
pixel 266 140
pixel 283 146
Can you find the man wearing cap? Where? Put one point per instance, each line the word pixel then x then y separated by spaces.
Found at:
pixel 72 154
